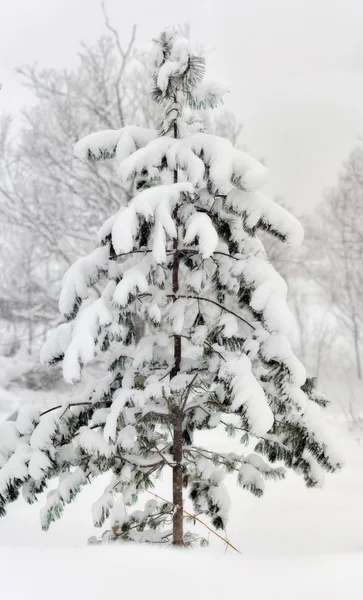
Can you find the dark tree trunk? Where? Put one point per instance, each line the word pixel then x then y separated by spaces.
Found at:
pixel 177 478
pixel 177 418
pixel 177 421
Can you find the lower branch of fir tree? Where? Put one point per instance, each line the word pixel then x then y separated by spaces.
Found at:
pixel 188 514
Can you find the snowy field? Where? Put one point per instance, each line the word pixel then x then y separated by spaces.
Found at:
pixel 134 572
pixel 313 534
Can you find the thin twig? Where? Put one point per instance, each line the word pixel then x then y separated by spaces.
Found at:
pixel 188 390
pixel 60 406
pixel 219 305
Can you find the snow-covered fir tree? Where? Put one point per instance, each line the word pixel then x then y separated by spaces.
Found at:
pixel 185 257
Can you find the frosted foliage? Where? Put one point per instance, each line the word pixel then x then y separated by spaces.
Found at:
pixel 98 144
pixel 120 400
pixel 229 324
pixel 269 293
pixel 124 229
pixel 57 343
pixel 132 282
pixel 259 211
pixel 42 435
pixel 200 226
pixel 154 204
pixel 247 392
pixel 192 154
pixel 15 468
pixel 101 508
pixel 111 142
pixel 210 93
pixel 27 419
pixel 9 437
pixel 39 463
pixel 177 65
pixel 278 348
pixel 188 329
pixel 82 346
pixel 92 442
pixel 82 274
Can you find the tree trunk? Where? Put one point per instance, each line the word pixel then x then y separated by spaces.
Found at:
pixel 177 478
pixel 177 417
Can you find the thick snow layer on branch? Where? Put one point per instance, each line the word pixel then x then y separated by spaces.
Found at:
pixel 16 467
pixel 44 432
pixel 229 324
pixel 154 313
pixel 176 315
pixel 158 151
pixel 69 485
pixel 82 347
pixel 39 464
pixel 57 342
pixel 148 158
pixel 221 498
pixel 124 229
pixel 126 437
pixel 278 348
pixel 209 93
pixel 200 226
pixel 178 63
pixel 84 272
pixel 92 442
pixel 156 204
pixel 120 398
pixel 312 420
pixel 192 153
pixel 133 138
pixel 259 211
pixel 247 392
pixel 226 164
pixel 250 478
pixel 9 438
pixel 111 142
pixel 133 281
pixel 27 419
pixel 269 292
pixel 101 508
pixel 101 144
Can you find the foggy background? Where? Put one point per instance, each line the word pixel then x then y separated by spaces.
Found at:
pixel 294 69
pixel 295 73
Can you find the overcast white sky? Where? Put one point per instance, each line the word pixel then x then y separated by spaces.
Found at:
pixel 294 68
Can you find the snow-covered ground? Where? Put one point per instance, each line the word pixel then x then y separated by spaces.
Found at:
pixel 155 574
pixel 292 532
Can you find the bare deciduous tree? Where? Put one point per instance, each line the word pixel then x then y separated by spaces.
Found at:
pixel 337 251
